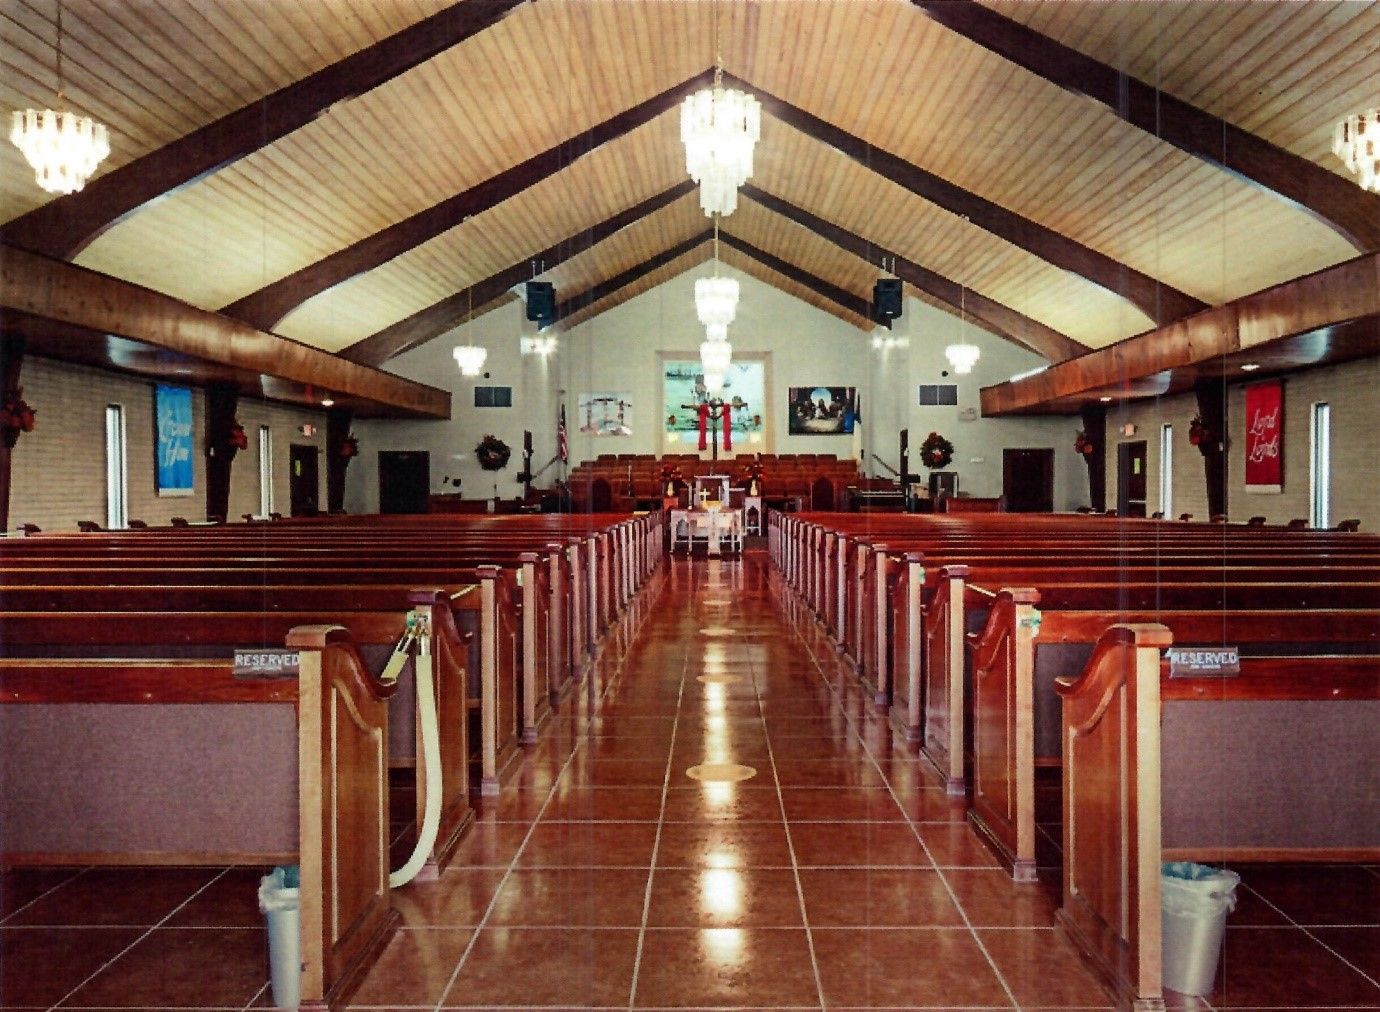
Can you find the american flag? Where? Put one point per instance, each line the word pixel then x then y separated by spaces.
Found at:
pixel 562 447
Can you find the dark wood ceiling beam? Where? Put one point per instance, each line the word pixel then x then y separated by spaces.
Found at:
pixel 1003 320
pixel 1334 200
pixel 60 295
pixel 440 317
pixel 1322 303
pixel 265 307
pixel 1159 301
pixel 64 227
pixel 841 297
pixel 591 295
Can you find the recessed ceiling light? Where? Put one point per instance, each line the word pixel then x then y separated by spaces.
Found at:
pixel 327 402
pixel 1105 400
pixel 1250 367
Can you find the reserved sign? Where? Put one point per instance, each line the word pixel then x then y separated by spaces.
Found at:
pixel 259 663
pixel 1204 662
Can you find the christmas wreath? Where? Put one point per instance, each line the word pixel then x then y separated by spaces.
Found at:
pixel 492 453
pixel 1082 444
pixel 15 416
pixel 349 447
pixel 1200 435
pixel 936 451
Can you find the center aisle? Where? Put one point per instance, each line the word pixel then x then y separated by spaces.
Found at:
pixel 837 875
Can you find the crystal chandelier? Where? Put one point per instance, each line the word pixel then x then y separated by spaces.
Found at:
pixel 716 302
pixel 470 358
pixel 719 127
pixel 61 147
pixel 716 356
pixel 1356 141
pixel 713 383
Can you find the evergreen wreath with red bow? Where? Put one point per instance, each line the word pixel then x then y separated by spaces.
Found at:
pixel 936 451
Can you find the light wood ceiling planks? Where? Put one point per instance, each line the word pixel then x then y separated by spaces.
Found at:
pixel 879 69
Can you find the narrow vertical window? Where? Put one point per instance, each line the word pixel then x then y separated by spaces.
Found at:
pixel 265 470
pixel 1320 466
pixel 1167 471
pixel 116 474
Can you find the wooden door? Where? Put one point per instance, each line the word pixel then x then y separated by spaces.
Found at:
pixel 1130 479
pixel 404 481
pixel 1027 480
pixel 304 488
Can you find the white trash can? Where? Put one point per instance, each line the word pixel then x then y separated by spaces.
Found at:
pixel 1195 901
pixel 278 901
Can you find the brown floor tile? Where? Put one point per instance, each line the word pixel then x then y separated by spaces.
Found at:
pixel 590 843
pixel 414 968
pixel 827 773
pixel 719 802
pixel 856 843
pixel 615 773
pixel 182 966
pixel 1358 946
pixel 21 886
pixel 955 845
pixel 877 897
pixel 1279 967
pixel 116 896
pixel 458 898
pixel 1330 894
pixel 531 967
pixel 829 805
pixel 40 965
pixel 492 844
pixel 608 804
pixel 231 901
pixel 869 969
pixel 572 897
pixel 1042 969
pixel 991 899
pixel 724 845
pixel 741 967
pixel 724 898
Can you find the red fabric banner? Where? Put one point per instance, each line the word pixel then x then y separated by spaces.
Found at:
pixel 728 428
pixel 704 427
pixel 1265 437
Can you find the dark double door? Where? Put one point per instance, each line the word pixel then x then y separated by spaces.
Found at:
pixel 1027 480
pixel 404 481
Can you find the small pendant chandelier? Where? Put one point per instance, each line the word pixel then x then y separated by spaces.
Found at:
pixel 962 356
pixel 61 147
pixel 716 298
pixel 1356 141
pixel 716 356
pixel 470 357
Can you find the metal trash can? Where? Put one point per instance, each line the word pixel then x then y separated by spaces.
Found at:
pixel 279 903
pixel 1195 901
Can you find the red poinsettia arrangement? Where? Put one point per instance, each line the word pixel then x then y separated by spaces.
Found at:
pixel 15 415
pixel 1199 434
pixel 349 447
pixel 238 439
pixel 1082 444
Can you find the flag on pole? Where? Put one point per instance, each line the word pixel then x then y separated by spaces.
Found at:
pixel 562 447
pixel 858 450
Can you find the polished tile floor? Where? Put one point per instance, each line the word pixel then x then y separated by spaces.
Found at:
pixel 837 875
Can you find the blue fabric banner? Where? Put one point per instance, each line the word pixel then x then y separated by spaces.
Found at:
pixel 173 414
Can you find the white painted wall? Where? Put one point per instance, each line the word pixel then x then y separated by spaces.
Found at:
pixel 622 349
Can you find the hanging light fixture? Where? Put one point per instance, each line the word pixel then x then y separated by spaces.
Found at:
pixel 962 356
pixel 470 357
pixel 716 301
pixel 713 383
pixel 61 147
pixel 1356 141
pixel 716 356
pixel 720 128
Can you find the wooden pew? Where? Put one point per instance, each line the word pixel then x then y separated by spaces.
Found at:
pixel 333 744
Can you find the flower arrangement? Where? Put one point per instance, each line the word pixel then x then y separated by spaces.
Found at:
pixel 238 438
pixel 936 451
pixel 670 478
pixel 492 453
pixel 1200 435
pixel 1082 444
pixel 349 447
pixel 15 416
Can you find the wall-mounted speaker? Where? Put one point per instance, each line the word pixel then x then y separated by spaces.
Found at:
pixel 886 299
pixel 541 302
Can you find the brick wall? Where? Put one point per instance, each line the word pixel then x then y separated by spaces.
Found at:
pixel 59 469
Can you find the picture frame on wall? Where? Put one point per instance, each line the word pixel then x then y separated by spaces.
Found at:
pixel 606 413
pixel 173 436
pixel 822 411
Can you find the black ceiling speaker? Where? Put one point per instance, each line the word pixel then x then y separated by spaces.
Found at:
pixel 541 302
pixel 886 299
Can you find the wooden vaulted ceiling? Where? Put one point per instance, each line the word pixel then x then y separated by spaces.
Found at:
pixel 540 138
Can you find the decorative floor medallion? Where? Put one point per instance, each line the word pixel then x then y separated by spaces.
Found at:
pixel 720 773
